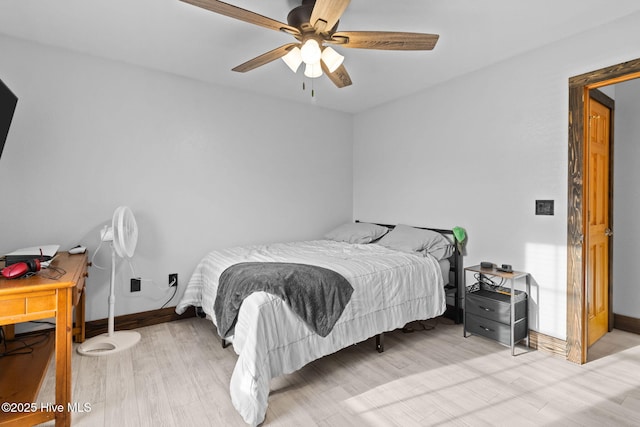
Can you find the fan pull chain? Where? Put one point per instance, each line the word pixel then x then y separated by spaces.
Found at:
pixel 304 87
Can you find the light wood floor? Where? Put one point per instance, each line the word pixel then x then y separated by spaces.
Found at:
pixel 178 375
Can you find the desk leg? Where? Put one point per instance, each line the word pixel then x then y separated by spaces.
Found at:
pixel 9 331
pixel 79 328
pixel 63 355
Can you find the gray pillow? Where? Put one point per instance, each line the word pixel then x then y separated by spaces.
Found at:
pixel 358 232
pixel 405 238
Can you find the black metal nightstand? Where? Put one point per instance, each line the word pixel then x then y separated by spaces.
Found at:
pixel 497 312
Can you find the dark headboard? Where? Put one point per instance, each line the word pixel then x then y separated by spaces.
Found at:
pixel 455 266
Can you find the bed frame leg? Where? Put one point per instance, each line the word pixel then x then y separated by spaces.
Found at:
pixel 225 343
pixel 200 313
pixel 380 342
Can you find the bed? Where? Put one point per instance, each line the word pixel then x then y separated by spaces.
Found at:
pixel 399 274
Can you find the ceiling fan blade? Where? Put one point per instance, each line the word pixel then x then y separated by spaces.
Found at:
pixel 385 40
pixel 265 58
pixel 339 77
pixel 326 14
pixel 243 15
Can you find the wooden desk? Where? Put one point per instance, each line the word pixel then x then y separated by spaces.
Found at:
pixel 40 297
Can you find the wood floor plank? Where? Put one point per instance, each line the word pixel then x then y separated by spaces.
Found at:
pixel 179 375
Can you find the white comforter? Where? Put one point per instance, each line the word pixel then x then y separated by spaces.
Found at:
pixel 390 289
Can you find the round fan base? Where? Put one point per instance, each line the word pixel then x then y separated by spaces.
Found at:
pixel 105 344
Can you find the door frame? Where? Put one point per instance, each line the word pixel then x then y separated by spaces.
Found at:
pixel 579 87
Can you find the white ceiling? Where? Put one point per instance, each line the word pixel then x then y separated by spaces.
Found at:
pixel 179 38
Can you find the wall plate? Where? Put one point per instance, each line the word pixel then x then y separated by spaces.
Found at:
pixel 544 207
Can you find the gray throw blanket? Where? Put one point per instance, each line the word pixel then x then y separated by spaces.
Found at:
pixel 317 295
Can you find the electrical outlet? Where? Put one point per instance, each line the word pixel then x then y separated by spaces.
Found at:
pixel 173 279
pixel 135 284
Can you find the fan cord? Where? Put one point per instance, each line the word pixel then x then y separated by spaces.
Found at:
pixel 93 263
pixel 173 285
pixel 133 272
pixel 175 290
pixel 131 267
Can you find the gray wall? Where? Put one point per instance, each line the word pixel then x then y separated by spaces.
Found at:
pixel 201 166
pixel 478 151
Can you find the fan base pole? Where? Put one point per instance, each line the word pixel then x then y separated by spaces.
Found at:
pixel 106 344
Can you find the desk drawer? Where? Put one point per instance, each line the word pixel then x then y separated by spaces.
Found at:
pixel 28 306
pixel 495 330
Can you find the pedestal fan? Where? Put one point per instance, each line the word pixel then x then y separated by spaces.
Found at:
pixel 123 235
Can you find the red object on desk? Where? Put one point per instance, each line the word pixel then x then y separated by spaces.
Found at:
pixel 19 269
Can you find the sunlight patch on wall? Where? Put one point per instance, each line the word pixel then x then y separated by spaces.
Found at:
pixel 547 265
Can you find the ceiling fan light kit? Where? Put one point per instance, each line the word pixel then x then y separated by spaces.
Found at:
pixel 312 57
pixel 313 70
pixel 315 23
pixel 331 58
pixel 293 59
pixel 310 51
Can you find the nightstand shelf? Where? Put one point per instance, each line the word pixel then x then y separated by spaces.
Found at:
pixel 499 313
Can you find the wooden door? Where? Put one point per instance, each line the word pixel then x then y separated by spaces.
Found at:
pixel 598 221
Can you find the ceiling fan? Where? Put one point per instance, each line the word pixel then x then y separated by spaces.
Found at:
pixel 314 24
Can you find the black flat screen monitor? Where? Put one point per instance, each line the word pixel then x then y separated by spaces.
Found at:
pixel 8 102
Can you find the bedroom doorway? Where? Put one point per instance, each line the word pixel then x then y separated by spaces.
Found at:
pixel 579 187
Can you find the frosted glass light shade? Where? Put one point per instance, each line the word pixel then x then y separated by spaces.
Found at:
pixel 293 59
pixel 313 70
pixel 310 52
pixel 331 59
